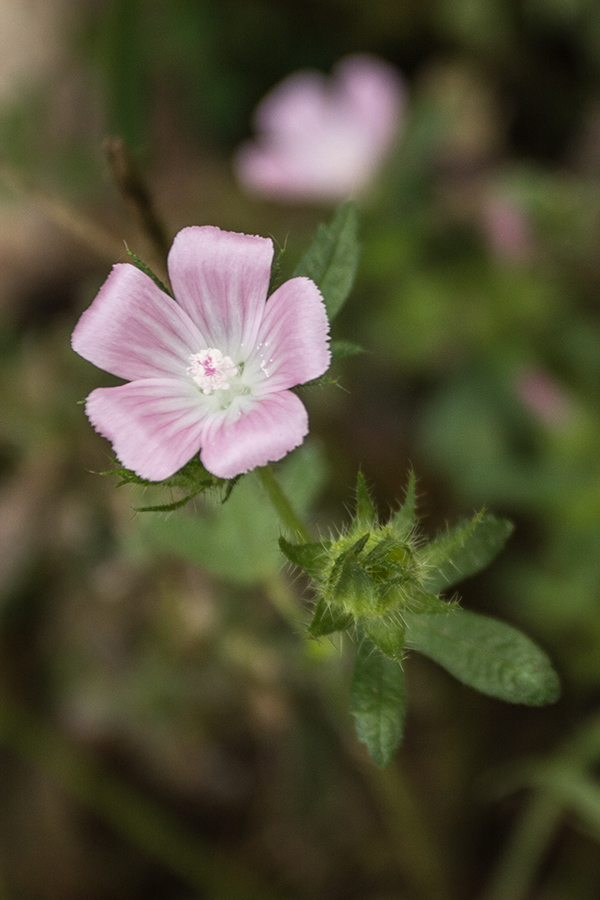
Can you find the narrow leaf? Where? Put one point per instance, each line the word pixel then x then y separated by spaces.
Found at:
pixel 328 619
pixel 378 702
pixel 487 655
pixel 464 550
pixel 332 258
pixel 312 558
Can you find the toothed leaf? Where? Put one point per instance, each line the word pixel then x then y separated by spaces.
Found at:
pixel 332 258
pixel 487 655
pixel 378 703
pixel 464 550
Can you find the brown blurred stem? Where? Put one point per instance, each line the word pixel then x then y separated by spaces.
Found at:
pixel 96 238
pixel 136 195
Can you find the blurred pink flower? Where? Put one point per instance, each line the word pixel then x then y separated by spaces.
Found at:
pixel 544 397
pixel 323 139
pixel 507 229
pixel 212 372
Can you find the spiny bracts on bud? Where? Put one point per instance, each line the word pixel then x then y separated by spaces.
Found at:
pixel 383 582
pixel 375 575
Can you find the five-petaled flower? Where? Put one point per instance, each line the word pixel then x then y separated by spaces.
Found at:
pixel 211 371
pixel 323 139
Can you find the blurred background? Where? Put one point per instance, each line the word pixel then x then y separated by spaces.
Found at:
pixel 166 730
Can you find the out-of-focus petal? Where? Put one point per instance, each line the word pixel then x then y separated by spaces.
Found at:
pixel 375 91
pixel 293 342
pixel 323 139
pixel 303 173
pixel 221 280
pixel 276 424
pixel 134 330
pixel 154 425
pixel 296 104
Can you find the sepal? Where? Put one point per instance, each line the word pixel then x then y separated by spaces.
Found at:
pixel 311 558
pixel 192 479
pixel 328 619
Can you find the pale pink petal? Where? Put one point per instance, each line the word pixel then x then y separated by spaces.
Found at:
pixel 307 172
pixel 374 90
pixel 294 105
pixel 273 427
pixel 154 424
pixel 221 280
pixel 135 330
pixel 323 139
pixel 293 342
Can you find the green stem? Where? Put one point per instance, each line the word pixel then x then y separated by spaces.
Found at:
pixel 204 868
pixel 527 846
pixel 282 505
pixel 418 854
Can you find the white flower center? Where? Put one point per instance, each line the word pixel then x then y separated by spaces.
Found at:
pixel 211 370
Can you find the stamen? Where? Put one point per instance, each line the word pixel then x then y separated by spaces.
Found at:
pixel 211 370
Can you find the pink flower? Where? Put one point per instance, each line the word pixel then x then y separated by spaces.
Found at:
pixel 545 397
pixel 323 140
pixel 212 372
pixel 507 229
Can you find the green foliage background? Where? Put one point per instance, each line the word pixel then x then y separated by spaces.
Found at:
pixel 168 650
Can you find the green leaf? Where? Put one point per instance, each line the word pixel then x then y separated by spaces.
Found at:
pixel 275 279
pixel 464 550
pixel 344 349
pixel 378 702
pixel 366 517
pixel 405 519
pixel 387 634
pixel 487 655
pixel 145 268
pixel 237 540
pixel 312 558
pixel 327 619
pixel 332 258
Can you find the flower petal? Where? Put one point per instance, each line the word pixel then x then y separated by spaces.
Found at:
pixel 273 427
pixel 295 105
pixel 323 139
pixel 221 280
pixel 154 424
pixel 292 346
pixel 374 91
pixel 134 330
